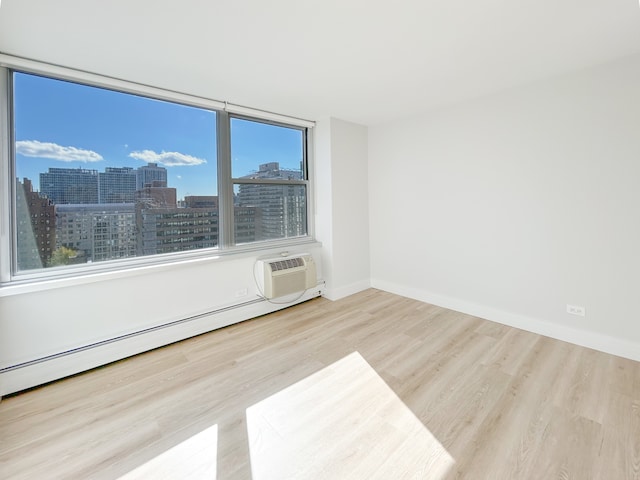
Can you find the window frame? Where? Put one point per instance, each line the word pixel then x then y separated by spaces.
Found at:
pixel 9 275
pixel 272 181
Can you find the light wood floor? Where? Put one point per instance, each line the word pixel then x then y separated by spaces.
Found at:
pixel 470 398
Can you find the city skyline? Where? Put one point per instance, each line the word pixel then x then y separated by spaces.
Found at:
pixel 60 124
pixel 86 216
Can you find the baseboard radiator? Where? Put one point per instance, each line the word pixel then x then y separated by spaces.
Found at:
pixel 53 367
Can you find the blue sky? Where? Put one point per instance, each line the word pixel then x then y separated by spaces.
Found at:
pixel 66 125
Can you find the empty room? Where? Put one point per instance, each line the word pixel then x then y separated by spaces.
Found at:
pixel 288 239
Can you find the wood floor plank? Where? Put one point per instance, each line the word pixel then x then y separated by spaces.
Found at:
pixel 584 394
pixel 502 403
pixel 457 422
pixel 510 421
pixel 511 350
pixel 624 376
pixel 568 448
pixel 619 455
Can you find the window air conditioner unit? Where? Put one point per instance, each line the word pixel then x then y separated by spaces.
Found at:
pixel 277 277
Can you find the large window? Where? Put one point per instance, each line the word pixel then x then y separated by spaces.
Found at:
pixel 102 176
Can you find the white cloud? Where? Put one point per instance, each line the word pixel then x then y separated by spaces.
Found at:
pixel 34 148
pixel 168 159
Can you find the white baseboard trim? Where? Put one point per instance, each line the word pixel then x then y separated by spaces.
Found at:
pixel 38 372
pixel 584 338
pixel 337 293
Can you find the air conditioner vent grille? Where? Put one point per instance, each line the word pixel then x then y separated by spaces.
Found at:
pixel 286 264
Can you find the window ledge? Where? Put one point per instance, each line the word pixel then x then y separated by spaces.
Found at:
pixel 23 286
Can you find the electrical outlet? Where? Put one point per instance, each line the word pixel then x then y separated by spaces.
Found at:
pixel 575 310
pixel 243 292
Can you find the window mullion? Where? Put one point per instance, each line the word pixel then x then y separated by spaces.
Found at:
pixel 225 184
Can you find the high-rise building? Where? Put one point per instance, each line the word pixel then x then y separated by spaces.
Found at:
pixel 149 174
pixel 201 201
pixel 282 208
pixel 70 185
pixel 154 195
pixel 117 185
pixel 247 224
pixel 36 230
pixel 172 229
pixel 97 232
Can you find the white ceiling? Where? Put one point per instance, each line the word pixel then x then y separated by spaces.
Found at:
pixel 367 61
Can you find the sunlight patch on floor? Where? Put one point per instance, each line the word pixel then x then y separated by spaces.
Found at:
pixel 341 422
pixel 195 458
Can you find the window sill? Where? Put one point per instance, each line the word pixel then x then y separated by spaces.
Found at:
pixel 31 285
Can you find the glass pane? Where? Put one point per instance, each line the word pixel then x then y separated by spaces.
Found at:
pixel 104 175
pixel 261 150
pixel 269 212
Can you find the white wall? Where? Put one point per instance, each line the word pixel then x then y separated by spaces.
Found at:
pixel 342 208
pixel 511 206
